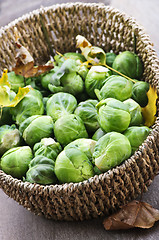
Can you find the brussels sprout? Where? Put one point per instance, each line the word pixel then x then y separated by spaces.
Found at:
pixel 26 123
pixel 116 87
pixel 40 159
pixel 72 83
pixel 135 112
pixel 17 81
pixel 78 58
pixel 129 64
pixel 31 104
pixel 41 170
pixel 95 79
pixel 72 165
pixel 139 93
pixel 47 78
pixel 113 115
pixel 9 138
pixel 98 134
pixel 85 145
pixel 82 70
pixel 72 55
pixel 136 136
pixel 35 129
pixel 47 147
pixel 110 57
pixel 88 113
pixel 68 77
pixel 16 160
pixel 111 150
pixel 60 104
pixel 36 84
pixel 67 66
pixel 68 128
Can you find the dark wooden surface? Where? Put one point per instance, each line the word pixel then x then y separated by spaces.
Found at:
pixel 17 223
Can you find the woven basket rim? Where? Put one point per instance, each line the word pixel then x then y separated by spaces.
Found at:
pixel 71 186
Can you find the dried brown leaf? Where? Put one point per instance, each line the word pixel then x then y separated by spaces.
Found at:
pixel 25 64
pixel 134 214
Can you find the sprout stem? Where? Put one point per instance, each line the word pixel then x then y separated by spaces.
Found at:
pixel 123 75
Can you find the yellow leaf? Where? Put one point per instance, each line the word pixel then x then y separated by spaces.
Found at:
pixel 4 79
pixel 91 53
pixel 149 111
pixel 5 92
pixel 4 96
pixel 20 95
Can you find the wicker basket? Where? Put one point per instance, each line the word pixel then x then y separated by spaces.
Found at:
pixel 55 28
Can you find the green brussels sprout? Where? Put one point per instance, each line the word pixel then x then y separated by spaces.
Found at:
pixel 116 87
pixel 110 57
pixel 41 170
pixel 72 55
pixel 111 150
pixel 139 93
pixel 40 159
pixel 113 115
pixel 36 84
pixel 6 116
pixel 136 136
pixel 34 129
pixel 48 77
pixel 135 112
pixel 72 165
pixel 72 83
pixel 85 145
pixel 82 70
pixel 31 104
pixel 47 147
pixel 60 104
pixel 95 79
pixel 9 138
pixel 26 123
pixel 88 113
pixel 68 77
pixel 16 161
pixel 68 128
pixel 98 134
pixel 129 64
pixel 17 81
pixel 69 65
pixel 78 58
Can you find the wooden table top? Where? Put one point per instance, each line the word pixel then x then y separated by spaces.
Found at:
pixel 17 223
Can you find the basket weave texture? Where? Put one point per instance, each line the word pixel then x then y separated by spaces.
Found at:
pixel 53 29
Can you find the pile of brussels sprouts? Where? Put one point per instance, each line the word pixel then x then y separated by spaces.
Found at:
pixel 76 121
